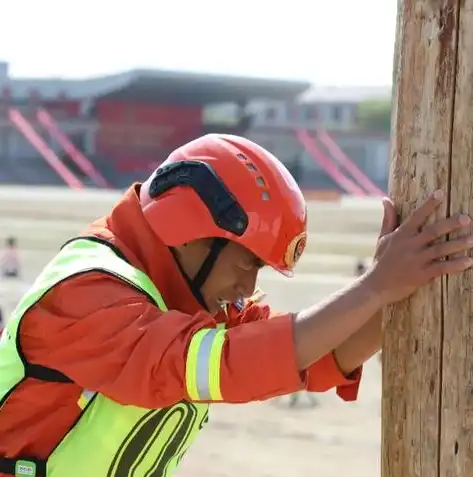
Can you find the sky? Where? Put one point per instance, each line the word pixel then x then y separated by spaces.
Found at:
pixel 329 42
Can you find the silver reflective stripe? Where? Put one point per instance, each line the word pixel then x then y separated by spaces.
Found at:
pixel 85 398
pixel 88 394
pixel 204 365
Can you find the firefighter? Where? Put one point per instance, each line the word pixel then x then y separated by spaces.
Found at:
pixel 110 361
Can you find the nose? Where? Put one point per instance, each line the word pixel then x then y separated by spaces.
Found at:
pixel 247 283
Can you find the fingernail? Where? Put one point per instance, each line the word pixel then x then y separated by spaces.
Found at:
pixel 464 219
pixel 438 194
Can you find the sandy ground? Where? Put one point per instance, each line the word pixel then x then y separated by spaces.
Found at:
pixel 270 440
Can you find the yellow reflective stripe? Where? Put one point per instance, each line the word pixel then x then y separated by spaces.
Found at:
pixel 84 398
pixel 191 364
pixel 203 365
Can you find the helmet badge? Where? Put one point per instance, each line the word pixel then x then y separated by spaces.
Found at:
pixel 295 249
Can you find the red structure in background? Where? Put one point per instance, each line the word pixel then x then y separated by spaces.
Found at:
pixel 122 124
pixel 112 130
pixel 136 134
pixel 86 166
pixel 66 108
pixel 330 168
pixel 24 126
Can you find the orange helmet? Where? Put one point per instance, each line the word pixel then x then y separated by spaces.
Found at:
pixel 228 187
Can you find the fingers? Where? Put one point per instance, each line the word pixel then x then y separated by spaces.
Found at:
pixel 390 218
pixel 443 227
pixel 420 216
pixel 440 251
pixel 450 267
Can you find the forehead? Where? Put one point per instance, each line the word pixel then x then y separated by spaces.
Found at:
pixel 238 251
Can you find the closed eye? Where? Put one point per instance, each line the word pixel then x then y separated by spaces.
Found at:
pixel 248 266
pixel 245 266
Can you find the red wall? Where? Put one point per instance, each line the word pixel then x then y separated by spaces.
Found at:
pixel 137 132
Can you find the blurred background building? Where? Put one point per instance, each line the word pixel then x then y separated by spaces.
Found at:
pixel 109 131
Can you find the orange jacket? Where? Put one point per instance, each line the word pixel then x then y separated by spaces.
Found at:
pixel 106 336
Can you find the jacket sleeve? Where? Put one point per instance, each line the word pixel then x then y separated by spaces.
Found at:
pixel 322 375
pixel 325 374
pixel 107 337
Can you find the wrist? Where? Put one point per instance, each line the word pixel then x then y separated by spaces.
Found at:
pixel 371 288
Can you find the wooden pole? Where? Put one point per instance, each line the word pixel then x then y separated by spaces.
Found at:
pixel 428 350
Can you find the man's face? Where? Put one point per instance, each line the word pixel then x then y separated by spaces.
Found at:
pixel 232 277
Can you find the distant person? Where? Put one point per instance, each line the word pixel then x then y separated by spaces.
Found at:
pixel 294 398
pixel 10 261
pixel 2 321
pixel 360 267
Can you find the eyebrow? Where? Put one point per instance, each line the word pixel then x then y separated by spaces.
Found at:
pixel 259 263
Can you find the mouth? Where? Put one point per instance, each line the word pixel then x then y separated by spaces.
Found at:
pixel 221 302
pixel 233 300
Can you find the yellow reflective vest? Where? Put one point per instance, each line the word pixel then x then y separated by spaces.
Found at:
pixel 110 439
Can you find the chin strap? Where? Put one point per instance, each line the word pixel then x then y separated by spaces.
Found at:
pixel 198 281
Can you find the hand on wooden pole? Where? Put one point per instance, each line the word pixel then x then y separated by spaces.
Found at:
pixel 411 254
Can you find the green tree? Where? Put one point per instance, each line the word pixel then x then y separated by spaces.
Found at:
pixel 375 116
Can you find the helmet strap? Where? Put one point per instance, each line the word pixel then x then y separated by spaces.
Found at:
pixel 217 246
pixel 196 283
